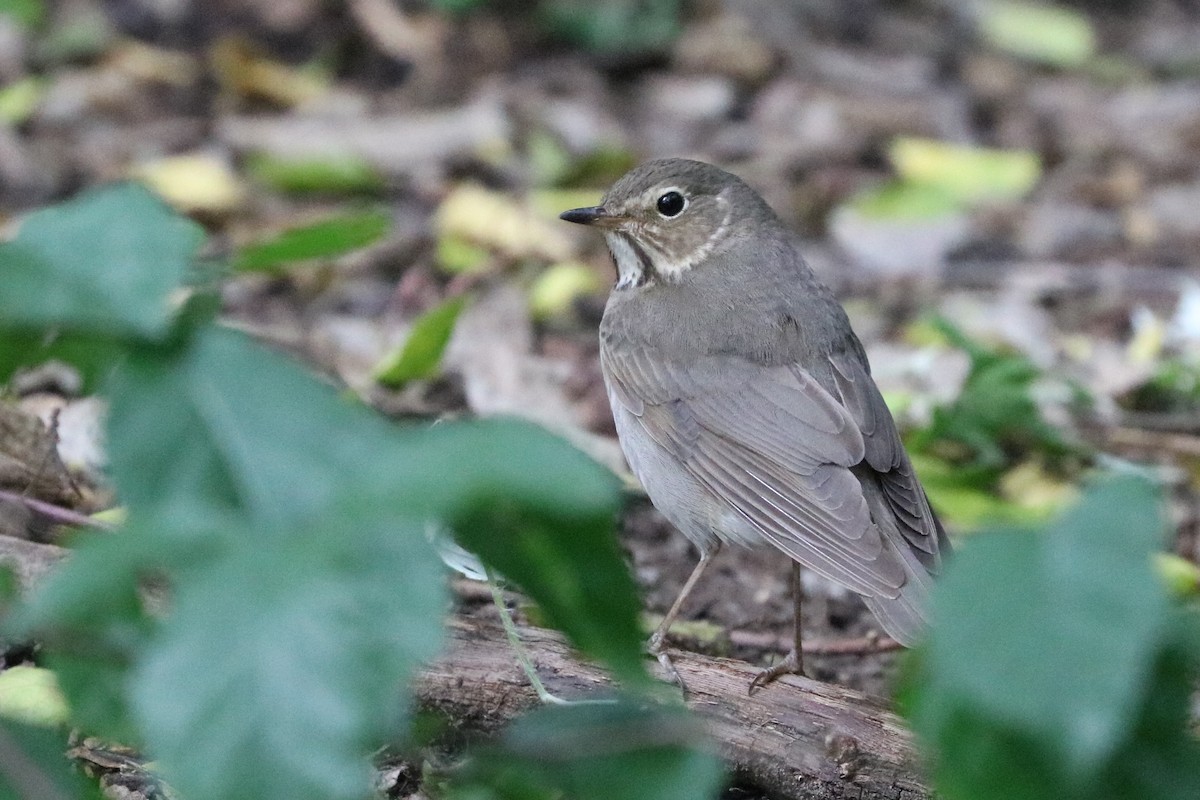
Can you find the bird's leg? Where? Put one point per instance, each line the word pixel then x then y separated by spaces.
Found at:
pixel 657 643
pixel 793 662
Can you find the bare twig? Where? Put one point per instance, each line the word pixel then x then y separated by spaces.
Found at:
pixel 59 514
pixel 860 645
pixel 1155 440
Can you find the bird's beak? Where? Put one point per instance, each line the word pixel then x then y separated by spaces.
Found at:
pixel 591 215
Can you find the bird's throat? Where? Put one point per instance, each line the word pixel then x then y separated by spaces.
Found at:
pixel 634 267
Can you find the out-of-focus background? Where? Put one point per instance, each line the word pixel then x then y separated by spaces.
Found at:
pixel 1006 195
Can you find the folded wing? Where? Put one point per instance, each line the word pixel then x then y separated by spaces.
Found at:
pixel 787 455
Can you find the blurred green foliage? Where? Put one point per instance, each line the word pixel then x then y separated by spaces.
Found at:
pixel 1043 33
pixel 326 238
pixel 995 416
pixel 342 176
pixel 614 26
pixel 421 354
pixel 989 454
pixel 35 765
pixel 19 99
pixel 1174 388
pixel 26 12
pixel 607 26
pixel 595 752
pixel 289 524
pixel 935 178
pixel 1057 667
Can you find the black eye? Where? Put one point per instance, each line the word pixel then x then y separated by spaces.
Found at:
pixel 671 204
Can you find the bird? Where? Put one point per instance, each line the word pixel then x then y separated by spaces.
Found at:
pixel 744 403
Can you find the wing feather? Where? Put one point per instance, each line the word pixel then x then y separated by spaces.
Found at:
pixel 775 446
pixel 885 454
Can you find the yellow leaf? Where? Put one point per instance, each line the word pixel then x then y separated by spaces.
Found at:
pixel 193 183
pixel 155 64
pixel 19 99
pixel 31 695
pixel 557 288
pixel 966 173
pixel 501 223
pixel 1039 32
pixel 1034 491
pixel 241 69
pixel 1181 576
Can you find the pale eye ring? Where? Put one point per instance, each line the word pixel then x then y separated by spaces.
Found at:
pixel 671 204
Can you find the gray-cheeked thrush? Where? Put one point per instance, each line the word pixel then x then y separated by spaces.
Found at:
pixel 744 402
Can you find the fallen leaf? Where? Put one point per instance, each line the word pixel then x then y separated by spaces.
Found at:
pixel 193 183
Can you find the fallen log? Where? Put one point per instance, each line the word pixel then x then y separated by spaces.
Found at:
pixel 796 738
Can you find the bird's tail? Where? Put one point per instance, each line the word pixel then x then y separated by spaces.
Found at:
pixel 906 615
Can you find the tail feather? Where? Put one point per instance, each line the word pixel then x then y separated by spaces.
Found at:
pixel 906 615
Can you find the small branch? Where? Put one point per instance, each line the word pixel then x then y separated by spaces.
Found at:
pixel 1155 441
pixel 63 516
pixel 861 645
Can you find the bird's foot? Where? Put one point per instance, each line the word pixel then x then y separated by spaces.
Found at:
pixel 658 648
pixel 791 665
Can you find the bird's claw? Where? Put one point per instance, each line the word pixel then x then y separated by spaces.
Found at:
pixel 791 665
pixel 656 647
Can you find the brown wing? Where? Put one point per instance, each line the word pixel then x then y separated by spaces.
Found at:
pixel 775 446
pixel 885 455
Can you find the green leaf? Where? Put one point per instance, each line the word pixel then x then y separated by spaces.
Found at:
pixel 192 439
pixel 618 26
pixel 897 200
pixel 456 255
pixel 456 6
pixel 965 173
pixel 19 100
pixel 568 562
pixel 1047 656
pixel 106 262
pixel 995 414
pixel 282 667
pixel 1180 575
pixel 34 764
pixel 960 496
pixel 88 615
pixel 94 356
pixel 27 13
pixel 227 426
pixel 341 176
pixel 598 752
pixel 1042 33
pixel 421 354
pixel 558 287
pixel 325 239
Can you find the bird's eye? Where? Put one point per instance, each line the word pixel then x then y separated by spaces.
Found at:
pixel 671 204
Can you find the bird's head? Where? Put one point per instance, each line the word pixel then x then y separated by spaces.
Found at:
pixel 665 217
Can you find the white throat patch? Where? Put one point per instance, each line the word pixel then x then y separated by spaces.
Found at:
pixel 631 270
